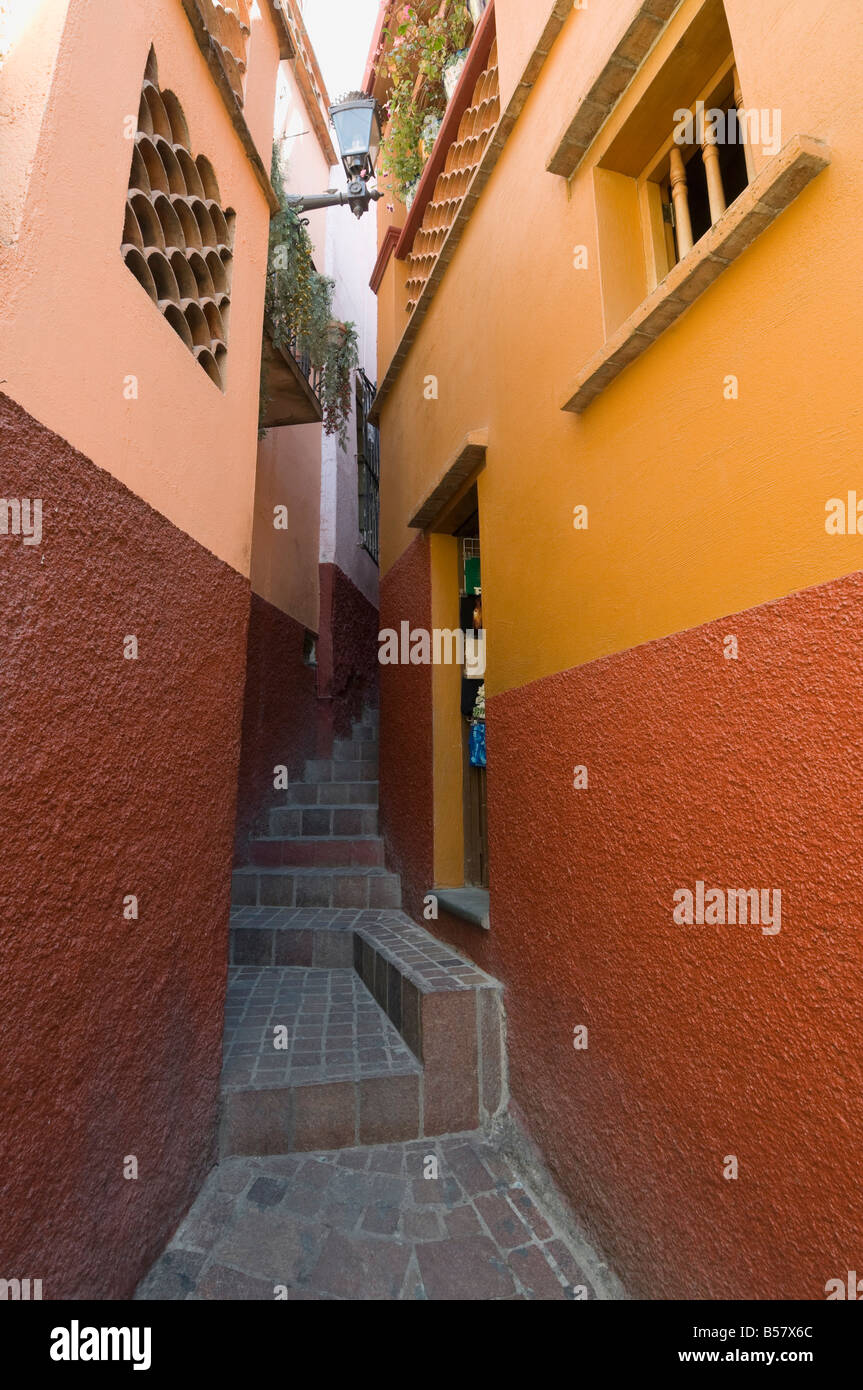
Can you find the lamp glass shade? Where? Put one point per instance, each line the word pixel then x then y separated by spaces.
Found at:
pixel 358 133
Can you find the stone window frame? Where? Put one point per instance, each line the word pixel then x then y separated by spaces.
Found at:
pixel 663 181
pixel 670 285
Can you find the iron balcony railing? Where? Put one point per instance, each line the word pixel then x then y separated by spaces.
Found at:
pixel 300 355
pixel 368 468
pixel 304 362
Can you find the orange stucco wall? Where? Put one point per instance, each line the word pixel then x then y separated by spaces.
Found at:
pixel 698 506
pixel 74 323
pixel 606 650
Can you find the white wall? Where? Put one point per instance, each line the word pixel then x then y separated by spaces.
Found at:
pixel 340 32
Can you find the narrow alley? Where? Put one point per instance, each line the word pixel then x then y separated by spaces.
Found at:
pixel 430 679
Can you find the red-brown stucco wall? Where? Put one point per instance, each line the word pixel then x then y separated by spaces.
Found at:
pixel 704 1041
pixel 293 710
pixel 119 778
pixel 279 714
pixel 406 741
pixel 347 653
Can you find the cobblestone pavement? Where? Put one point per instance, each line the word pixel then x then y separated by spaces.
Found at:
pixel 370 1223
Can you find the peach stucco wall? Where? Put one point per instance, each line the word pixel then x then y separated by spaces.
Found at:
pixel 30 33
pixel 698 506
pixel 74 322
pixel 285 563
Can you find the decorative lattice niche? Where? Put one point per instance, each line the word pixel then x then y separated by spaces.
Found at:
pixel 177 238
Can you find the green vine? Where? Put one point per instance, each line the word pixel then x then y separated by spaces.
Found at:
pixel 421 48
pixel 299 310
pixel 336 390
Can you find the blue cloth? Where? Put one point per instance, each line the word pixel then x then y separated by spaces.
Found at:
pixel 477 744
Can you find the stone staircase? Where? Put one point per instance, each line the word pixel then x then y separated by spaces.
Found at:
pixel 323 847
pixel 346 1022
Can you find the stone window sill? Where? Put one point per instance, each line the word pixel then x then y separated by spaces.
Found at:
pixel 470 904
pixel 769 194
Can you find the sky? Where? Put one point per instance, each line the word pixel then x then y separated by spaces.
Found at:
pixel 341 31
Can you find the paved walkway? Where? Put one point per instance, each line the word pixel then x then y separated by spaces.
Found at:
pixel 370 1223
pixel 333 1029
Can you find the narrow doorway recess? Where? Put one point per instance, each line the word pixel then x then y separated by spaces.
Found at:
pixel 473 705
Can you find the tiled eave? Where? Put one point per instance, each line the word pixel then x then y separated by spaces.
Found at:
pixel 461 98
pixel 609 85
pixel 778 184
pixel 286 41
pixel 309 77
pixel 213 56
pixel 560 11
pixel 388 245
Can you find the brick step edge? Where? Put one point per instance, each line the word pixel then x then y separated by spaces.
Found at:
pixel 310 852
pixel 291 822
pixel 457 1033
pixel 356 887
pixel 360 794
pixel 337 1114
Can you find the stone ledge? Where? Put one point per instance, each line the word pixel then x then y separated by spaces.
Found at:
pixel 608 87
pixel 778 184
pixel 470 904
pixel 469 456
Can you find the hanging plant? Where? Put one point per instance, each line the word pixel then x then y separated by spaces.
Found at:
pixel 336 390
pixel 417 49
pixel 299 310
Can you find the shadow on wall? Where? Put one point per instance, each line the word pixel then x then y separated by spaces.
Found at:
pixel 279 714
pixel 293 709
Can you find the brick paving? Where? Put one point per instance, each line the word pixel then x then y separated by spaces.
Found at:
pixel 280 935
pixel 324 918
pixel 376 1223
pixel 428 963
pixel 334 1029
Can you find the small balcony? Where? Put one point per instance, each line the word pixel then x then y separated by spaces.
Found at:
pixel 289 384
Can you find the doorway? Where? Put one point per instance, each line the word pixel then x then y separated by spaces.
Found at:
pixel 470 620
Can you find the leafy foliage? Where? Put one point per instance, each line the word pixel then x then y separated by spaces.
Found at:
pixel 337 382
pixel 417 48
pixel 299 308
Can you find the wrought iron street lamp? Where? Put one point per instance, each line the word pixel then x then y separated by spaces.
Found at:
pixel 357 124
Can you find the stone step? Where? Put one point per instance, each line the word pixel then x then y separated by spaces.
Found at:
pixel 332 851
pixel 347 750
pixel 332 794
pixel 342 1074
pixel 371 720
pixel 319 821
pixel 331 770
pixel 364 733
pixel 327 887
pixel 448 1012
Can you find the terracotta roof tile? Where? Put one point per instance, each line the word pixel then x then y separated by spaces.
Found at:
pixel 462 160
